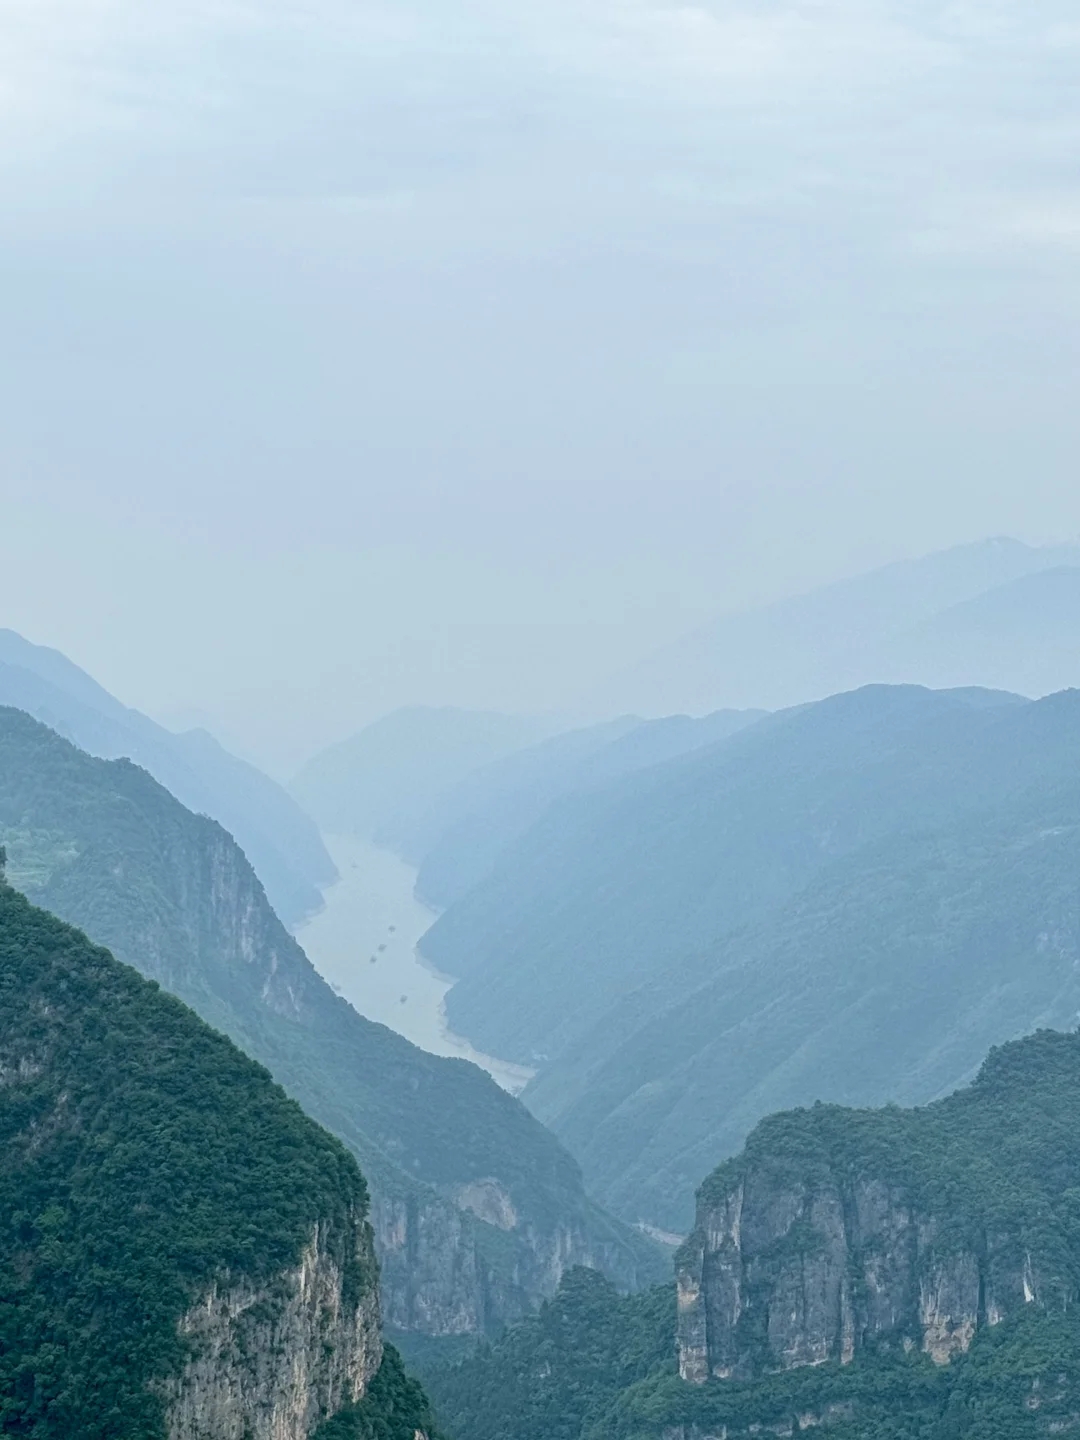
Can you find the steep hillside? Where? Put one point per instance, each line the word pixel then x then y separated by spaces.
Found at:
pixel 384 782
pixel 182 1252
pixel 281 842
pixel 852 901
pixel 873 1275
pixel 494 806
pixel 556 1374
pixel 615 882
pixel 853 633
pixel 886 980
pixel 477 1209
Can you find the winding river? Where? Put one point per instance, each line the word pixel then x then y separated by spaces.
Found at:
pixel 363 943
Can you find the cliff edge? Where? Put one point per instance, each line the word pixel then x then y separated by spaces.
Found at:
pixel 839 1231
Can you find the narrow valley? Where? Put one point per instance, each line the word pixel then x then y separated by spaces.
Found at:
pixel 363 943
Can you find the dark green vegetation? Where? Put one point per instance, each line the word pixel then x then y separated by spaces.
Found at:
pixel 595 1366
pixel 890 1226
pixel 996 1166
pixel 555 1375
pixel 850 901
pixel 104 846
pixel 281 842
pixel 141 1157
pixel 383 783
pixel 1019 1381
pixel 394 1408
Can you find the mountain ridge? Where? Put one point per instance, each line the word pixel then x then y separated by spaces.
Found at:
pixel 831 638
pixel 280 840
pixel 732 922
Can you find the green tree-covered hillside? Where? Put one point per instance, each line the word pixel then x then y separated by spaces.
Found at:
pixel 143 1158
pixel 281 841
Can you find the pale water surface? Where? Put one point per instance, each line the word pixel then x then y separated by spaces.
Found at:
pixel 363 943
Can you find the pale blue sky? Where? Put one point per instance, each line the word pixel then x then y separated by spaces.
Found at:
pixel 354 354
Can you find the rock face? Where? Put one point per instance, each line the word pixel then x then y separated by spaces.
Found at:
pixel 448 1270
pixel 772 1280
pixel 269 1362
pixel 838 1231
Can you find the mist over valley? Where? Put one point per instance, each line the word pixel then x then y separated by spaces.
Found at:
pixel 539 720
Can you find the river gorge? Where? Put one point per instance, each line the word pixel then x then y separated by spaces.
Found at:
pixel 363 943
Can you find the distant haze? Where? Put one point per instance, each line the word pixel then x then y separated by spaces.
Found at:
pixel 998 614
pixel 356 356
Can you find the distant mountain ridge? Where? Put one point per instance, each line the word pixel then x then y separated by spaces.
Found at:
pixel 279 839
pixel 1023 635
pixel 384 782
pixel 450 790
pixel 493 806
pixel 897 624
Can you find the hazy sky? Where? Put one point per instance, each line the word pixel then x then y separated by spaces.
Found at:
pixel 460 350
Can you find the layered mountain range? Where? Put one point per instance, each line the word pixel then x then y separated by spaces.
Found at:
pixel 683 926
pixel 477 1209
pixel 851 900
pixel 647 913
pixel 997 613
pixel 278 838
pixel 387 781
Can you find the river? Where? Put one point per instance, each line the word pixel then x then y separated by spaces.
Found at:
pixel 363 943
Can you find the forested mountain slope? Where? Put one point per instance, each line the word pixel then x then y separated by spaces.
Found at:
pixel 554 1376
pixel 867 1274
pixel 885 980
pixel 849 901
pixel 492 807
pixel 183 1252
pixel 281 842
pixel 615 881
pixel 477 1208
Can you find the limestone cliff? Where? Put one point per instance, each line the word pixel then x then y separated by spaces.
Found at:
pixel 270 1361
pixel 468 1263
pixel 774 1279
pixel 841 1231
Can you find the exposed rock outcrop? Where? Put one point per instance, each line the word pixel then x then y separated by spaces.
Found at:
pixel 838 1231
pixel 270 1362
pixel 773 1279
pixel 448 1270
